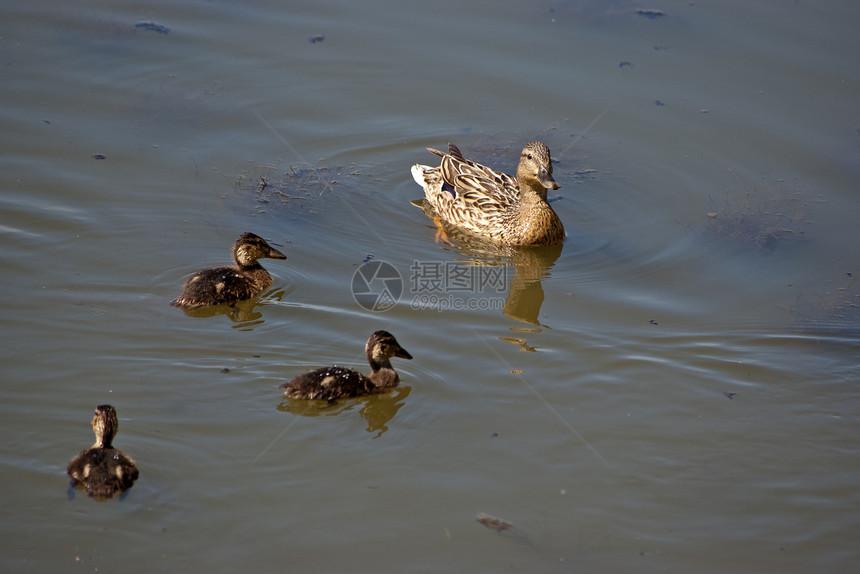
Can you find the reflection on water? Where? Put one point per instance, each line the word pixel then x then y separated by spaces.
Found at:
pixel 530 265
pixel 378 409
pixel 520 342
pixel 244 313
pixel 638 366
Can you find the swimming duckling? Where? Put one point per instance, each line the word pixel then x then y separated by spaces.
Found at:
pixel 331 383
pixel 492 204
pixel 103 470
pixel 230 285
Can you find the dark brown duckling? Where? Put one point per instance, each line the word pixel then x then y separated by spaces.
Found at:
pixel 103 470
pixel 331 383
pixel 230 285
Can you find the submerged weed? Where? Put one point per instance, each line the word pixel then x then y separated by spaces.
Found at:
pixel 763 218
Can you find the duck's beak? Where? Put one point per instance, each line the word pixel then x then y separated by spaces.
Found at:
pixel 546 179
pixel 275 254
pixel 402 353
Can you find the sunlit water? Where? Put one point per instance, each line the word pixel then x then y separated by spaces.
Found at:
pixel 673 390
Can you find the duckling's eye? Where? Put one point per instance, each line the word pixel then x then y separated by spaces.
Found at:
pixel 528 155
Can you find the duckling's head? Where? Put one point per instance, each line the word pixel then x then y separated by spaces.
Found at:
pixel 535 168
pixel 249 248
pixel 380 347
pixel 105 425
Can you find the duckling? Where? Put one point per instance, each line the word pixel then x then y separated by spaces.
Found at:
pixel 230 285
pixel 332 383
pixel 103 470
pixel 491 204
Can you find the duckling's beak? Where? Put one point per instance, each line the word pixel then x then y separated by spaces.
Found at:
pixel 275 254
pixel 402 353
pixel 546 179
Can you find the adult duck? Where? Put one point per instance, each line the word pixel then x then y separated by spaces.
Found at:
pixel 492 204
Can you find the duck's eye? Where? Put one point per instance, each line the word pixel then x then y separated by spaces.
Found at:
pixel 528 155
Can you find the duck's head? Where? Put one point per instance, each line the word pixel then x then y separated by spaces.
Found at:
pixel 535 168
pixel 105 425
pixel 381 346
pixel 249 248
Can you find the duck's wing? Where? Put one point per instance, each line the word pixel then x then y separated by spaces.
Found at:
pixel 454 165
pixel 222 285
pixel 489 194
pixel 467 193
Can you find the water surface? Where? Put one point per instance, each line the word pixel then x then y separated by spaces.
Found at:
pixel 674 389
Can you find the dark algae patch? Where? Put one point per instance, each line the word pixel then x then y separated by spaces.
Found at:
pixel 765 217
pixel 152 27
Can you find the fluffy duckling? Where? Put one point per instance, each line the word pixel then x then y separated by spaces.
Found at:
pixel 103 470
pixel 491 204
pixel 230 285
pixel 331 383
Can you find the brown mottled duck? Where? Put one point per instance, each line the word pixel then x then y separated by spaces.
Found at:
pixel 491 204
pixel 229 285
pixel 332 383
pixel 102 470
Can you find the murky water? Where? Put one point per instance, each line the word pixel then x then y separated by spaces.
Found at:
pixel 673 389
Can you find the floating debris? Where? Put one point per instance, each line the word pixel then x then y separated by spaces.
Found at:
pixel 316 39
pixel 99 156
pixel 587 173
pixel 492 522
pixel 837 306
pixel 152 27
pixel 651 14
pixel 730 396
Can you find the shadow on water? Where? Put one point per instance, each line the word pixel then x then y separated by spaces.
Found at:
pixel 377 410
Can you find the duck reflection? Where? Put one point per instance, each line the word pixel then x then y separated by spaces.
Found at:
pixel 243 313
pixel 530 265
pixel 378 409
pixel 519 342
